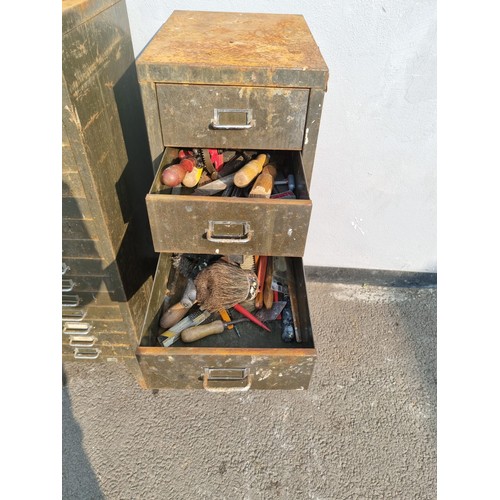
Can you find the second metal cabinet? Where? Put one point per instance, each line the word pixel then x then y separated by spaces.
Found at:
pixel 231 81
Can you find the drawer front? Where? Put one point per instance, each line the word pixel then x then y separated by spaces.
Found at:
pixel 226 371
pixel 84 248
pixel 225 362
pixel 85 267
pixel 232 117
pixel 91 353
pixel 184 223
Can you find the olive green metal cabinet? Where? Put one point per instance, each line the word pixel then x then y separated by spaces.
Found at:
pixel 231 81
pixel 107 255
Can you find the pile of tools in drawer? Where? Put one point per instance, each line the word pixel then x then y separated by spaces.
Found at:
pixel 210 172
pixel 221 292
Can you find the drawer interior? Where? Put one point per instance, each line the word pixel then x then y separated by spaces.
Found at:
pixel 169 287
pixel 287 163
pixel 185 220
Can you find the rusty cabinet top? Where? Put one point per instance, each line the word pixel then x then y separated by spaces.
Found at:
pixel 76 12
pixel 233 48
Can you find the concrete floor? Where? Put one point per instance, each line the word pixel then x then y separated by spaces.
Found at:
pixel 366 428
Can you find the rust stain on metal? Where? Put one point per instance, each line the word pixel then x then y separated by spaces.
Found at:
pixel 235 39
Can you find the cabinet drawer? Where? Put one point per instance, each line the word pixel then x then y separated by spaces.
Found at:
pixel 226 362
pixel 184 223
pixel 232 117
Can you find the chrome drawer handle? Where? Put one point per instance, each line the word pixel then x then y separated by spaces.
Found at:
pixel 74 314
pixel 82 341
pixel 87 353
pixel 227 374
pixel 70 300
pixel 68 285
pixel 228 232
pixel 65 268
pixel 77 328
pixel 232 119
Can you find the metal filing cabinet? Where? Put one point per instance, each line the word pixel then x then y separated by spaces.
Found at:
pixel 108 260
pixel 231 81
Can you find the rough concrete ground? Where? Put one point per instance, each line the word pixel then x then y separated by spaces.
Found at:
pixel 366 428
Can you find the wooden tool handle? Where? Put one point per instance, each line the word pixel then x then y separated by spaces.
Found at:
pixel 268 295
pixel 201 331
pixel 263 185
pixel 173 175
pixel 192 178
pixel 250 171
pixel 173 315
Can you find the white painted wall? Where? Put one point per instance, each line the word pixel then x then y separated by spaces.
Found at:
pixel 374 180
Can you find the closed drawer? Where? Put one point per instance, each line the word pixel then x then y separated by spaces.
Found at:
pixel 226 362
pixel 232 117
pixel 91 353
pixel 184 223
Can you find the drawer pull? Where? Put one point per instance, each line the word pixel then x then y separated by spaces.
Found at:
pixel 87 353
pixel 77 328
pixel 227 374
pixel 74 314
pixel 70 300
pixel 229 232
pixel 65 268
pixel 82 341
pixel 232 119
pixel 68 285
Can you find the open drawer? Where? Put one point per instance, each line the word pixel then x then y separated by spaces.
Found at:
pixel 256 359
pixel 182 222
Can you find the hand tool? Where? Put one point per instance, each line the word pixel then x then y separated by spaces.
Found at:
pixel 176 312
pixel 276 299
pixel 286 195
pixel 215 187
pixel 251 170
pixel 250 316
pixel 261 275
pixel 198 332
pixel 287 330
pixel 216 158
pixel 289 181
pixel 227 319
pixel 267 293
pixel 207 162
pixel 171 335
pixel 217 285
pixel 174 175
pixel 263 185
pixel 192 178
pixel 232 165
pixel 222 285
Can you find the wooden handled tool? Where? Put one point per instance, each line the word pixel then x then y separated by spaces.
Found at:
pixel 202 331
pixel 199 332
pixel 192 178
pixel 267 294
pixel 264 183
pixel 174 175
pixel 176 312
pixel 250 171
pixel 261 275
